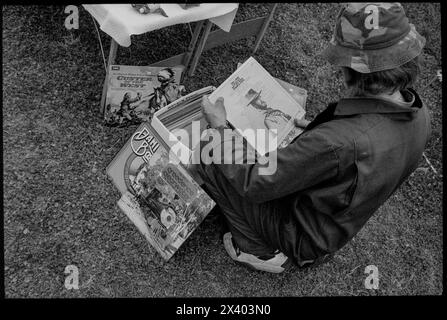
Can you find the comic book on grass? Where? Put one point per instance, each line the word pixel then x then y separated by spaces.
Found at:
pixel 158 195
pixel 135 93
pixel 255 100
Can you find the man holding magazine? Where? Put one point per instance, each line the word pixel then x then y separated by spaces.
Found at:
pixel 348 161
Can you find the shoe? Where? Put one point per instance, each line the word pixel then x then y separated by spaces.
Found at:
pixel 276 262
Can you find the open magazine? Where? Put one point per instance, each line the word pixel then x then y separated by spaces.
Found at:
pixel 158 195
pixel 255 100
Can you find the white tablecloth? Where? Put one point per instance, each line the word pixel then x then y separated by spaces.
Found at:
pixel 120 21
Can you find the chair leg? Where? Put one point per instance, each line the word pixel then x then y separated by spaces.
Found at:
pixel 200 47
pixel 264 27
pixel 192 45
pixel 112 56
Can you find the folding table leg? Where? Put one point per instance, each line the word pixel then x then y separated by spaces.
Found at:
pixel 192 45
pixel 264 27
pixel 200 47
pixel 112 56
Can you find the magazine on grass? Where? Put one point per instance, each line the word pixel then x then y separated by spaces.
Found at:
pixel 158 195
pixel 135 93
pixel 255 100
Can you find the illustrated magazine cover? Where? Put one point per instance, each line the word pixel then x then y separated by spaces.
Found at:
pixel 159 196
pixel 135 93
pixel 300 96
pixel 255 100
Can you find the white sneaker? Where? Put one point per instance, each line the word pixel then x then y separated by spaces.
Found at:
pixel 276 264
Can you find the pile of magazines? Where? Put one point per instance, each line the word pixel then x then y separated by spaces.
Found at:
pixel 161 197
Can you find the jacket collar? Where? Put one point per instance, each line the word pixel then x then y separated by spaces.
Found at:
pixel 361 105
pixel 352 106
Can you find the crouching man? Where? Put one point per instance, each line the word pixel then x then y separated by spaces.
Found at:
pixel 350 159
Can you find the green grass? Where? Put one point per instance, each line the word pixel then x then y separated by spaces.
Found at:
pixel 60 208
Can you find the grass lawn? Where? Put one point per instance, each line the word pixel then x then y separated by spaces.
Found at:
pixel 60 208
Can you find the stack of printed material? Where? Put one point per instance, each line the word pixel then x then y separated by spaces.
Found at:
pixel 175 123
pixel 158 194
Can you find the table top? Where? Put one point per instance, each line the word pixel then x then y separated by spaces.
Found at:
pixel 120 21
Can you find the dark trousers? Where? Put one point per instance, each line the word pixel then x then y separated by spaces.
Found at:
pixel 258 228
pixel 255 227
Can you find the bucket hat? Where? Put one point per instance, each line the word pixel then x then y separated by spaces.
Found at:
pixel 371 37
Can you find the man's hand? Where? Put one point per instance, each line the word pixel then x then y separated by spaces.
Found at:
pixel 215 114
pixel 301 123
